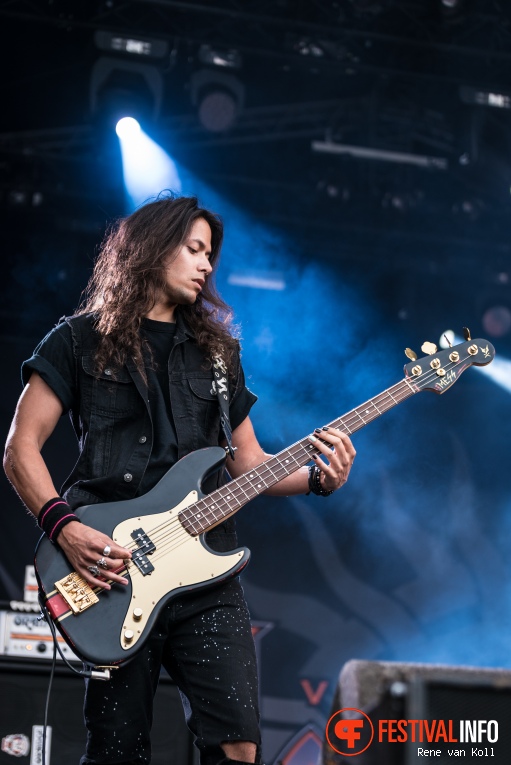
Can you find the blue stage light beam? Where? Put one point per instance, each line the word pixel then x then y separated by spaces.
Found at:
pixel 499 371
pixel 147 168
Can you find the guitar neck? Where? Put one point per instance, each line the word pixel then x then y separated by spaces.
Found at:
pixel 224 502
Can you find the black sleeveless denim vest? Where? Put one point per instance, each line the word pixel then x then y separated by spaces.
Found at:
pixel 114 426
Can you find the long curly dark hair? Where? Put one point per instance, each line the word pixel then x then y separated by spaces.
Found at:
pixel 129 273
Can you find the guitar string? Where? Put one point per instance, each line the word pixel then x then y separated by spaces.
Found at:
pixel 174 533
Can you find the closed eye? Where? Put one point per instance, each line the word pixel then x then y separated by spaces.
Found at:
pixel 201 247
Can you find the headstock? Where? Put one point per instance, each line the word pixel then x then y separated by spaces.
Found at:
pixel 438 370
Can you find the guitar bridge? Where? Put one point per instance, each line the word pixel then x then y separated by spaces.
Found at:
pixel 76 592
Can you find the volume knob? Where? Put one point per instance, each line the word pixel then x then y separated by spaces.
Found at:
pixel 137 614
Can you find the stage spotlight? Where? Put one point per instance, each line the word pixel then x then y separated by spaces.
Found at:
pixel 147 47
pixel 475 97
pixel 121 88
pixel 127 127
pixel 219 97
pixel 228 59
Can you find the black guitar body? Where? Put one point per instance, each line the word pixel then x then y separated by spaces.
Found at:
pixel 97 634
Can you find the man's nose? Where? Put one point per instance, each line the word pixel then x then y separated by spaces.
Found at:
pixel 206 266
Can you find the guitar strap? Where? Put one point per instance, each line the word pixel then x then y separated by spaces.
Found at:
pixel 220 387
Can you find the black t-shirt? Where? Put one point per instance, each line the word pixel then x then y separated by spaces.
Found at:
pixel 160 336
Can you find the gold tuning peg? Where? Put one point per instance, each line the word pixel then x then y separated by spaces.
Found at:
pixel 466 333
pixel 410 354
pixel 429 348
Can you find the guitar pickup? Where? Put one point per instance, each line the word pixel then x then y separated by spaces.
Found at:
pixel 78 595
pixel 145 548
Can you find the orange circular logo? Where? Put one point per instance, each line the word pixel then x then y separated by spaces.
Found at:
pixel 349 736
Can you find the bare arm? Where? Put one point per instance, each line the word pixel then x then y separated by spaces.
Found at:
pixel 36 416
pixel 334 471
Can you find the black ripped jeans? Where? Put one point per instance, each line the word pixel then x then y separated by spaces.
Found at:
pixel 204 641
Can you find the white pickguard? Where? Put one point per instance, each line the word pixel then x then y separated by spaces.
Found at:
pixel 186 563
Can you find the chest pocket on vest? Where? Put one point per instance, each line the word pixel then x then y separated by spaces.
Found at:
pixel 112 393
pixel 205 404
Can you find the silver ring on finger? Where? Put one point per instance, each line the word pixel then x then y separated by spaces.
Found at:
pixel 102 563
pixel 107 551
pixel 94 570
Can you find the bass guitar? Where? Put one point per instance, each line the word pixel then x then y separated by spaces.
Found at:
pixel 165 528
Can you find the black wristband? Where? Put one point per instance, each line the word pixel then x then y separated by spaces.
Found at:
pixel 315 483
pixel 54 515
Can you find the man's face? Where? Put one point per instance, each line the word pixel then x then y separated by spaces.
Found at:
pixel 187 271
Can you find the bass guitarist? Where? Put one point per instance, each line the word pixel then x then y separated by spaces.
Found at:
pixel 134 368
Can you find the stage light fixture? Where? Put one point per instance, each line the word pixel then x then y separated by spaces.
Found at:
pixel 147 47
pixel 226 59
pixel 122 88
pixel 494 99
pixel 219 97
